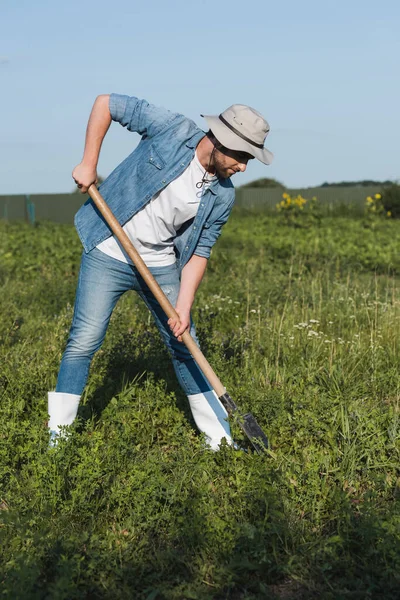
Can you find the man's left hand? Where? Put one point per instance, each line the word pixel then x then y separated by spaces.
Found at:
pixel 177 327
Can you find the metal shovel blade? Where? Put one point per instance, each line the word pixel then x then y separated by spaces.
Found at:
pixel 254 432
pixel 247 422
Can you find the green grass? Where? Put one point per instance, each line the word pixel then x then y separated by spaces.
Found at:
pixel 302 324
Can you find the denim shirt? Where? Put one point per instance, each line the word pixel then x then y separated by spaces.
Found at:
pixel 167 147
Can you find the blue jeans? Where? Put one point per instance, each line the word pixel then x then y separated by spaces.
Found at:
pixel 102 281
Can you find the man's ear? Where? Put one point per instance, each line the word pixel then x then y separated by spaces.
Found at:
pixel 212 138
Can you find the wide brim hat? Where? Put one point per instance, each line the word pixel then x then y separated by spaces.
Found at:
pixel 241 128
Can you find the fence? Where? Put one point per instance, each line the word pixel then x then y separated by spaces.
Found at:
pixel 330 197
pixel 61 208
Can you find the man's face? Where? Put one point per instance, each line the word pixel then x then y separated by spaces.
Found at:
pixel 228 162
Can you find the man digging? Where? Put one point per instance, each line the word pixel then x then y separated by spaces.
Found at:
pixel 172 195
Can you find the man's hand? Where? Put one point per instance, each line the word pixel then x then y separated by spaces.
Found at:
pixel 177 327
pixel 192 274
pixel 84 176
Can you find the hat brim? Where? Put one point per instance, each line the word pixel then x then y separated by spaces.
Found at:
pixel 230 140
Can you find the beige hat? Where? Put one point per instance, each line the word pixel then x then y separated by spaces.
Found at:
pixel 241 128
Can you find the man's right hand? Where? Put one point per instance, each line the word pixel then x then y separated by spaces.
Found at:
pixel 84 176
pixel 99 121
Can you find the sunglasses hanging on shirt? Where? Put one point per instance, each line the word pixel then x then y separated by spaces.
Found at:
pixel 205 179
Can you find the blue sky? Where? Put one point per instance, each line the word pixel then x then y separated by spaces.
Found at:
pixel 324 74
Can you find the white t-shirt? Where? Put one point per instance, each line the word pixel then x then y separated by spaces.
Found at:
pixel 153 228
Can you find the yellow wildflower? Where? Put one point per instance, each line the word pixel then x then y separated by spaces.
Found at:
pixel 378 196
pixel 389 214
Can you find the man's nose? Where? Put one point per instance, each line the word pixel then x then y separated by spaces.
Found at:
pixel 242 167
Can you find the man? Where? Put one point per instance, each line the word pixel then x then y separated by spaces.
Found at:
pixel 172 195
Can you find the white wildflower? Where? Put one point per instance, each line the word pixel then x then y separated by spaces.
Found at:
pixel 312 333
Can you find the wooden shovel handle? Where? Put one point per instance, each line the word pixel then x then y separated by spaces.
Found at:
pixel 155 288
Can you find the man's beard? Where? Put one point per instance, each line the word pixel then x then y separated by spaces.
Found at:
pixel 220 169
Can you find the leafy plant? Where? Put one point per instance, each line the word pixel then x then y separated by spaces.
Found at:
pixel 374 206
pixel 293 207
pixel 391 200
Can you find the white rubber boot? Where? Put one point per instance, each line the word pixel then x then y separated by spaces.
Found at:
pixel 62 409
pixel 211 418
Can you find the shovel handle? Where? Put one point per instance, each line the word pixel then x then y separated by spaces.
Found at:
pixel 155 288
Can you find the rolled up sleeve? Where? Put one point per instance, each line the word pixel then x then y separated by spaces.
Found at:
pixel 211 232
pixel 117 106
pixel 138 115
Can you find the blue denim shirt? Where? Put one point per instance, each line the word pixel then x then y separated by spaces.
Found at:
pixel 167 147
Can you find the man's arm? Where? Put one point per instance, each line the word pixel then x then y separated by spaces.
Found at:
pixel 192 274
pixel 131 112
pixel 99 121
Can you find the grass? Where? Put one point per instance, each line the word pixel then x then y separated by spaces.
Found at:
pixel 302 324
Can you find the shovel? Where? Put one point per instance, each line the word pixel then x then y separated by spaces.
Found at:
pixel 246 421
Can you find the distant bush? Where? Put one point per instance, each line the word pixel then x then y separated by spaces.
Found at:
pixel 391 200
pixel 363 183
pixel 264 182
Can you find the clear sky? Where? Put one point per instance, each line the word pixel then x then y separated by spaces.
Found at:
pixel 325 75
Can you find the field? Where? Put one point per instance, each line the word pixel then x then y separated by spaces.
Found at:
pixel 302 324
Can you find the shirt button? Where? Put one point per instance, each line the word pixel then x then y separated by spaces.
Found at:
pixel 194 227
pixel 151 159
pixel 187 248
pixel 202 204
pixel 182 164
pixel 163 181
